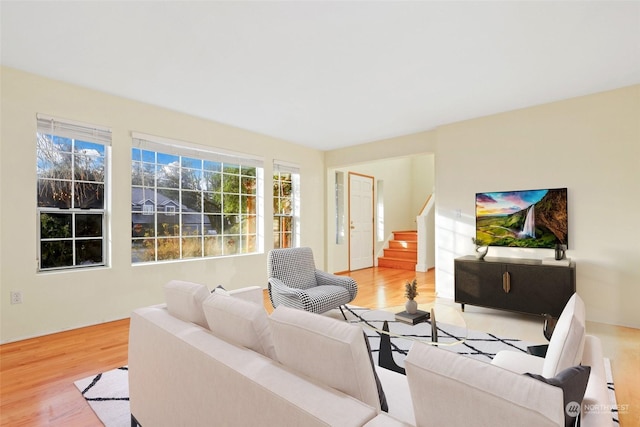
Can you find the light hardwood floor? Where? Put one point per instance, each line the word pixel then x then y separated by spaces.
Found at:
pixel 37 375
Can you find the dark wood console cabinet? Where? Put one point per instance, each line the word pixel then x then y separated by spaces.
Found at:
pixel 521 285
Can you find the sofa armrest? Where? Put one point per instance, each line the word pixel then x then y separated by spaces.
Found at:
pixel 250 293
pixel 596 409
pixel 519 363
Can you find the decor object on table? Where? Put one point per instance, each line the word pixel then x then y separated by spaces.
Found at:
pixel 410 292
pixel 481 248
pixel 295 282
pixel 560 251
pixel 412 318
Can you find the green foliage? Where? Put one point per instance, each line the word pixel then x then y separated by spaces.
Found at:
pixel 55 225
pixel 478 242
pixel 411 289
pixel 56 254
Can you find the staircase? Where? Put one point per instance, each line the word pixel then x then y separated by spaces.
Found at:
pixel 402 253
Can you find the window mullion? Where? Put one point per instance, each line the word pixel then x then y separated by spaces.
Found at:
pixel 224 200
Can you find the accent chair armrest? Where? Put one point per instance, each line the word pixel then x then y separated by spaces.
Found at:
pixel 279 287
pixel 324 278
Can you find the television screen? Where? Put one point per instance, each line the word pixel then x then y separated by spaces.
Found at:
pixel 527 219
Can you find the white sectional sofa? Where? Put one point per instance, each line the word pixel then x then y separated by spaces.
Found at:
pixel 212 359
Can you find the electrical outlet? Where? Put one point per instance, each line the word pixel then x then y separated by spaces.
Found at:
pixel 16 297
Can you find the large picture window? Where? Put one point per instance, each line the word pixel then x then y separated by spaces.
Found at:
pixel 72 168
pixel 286 205
pixel 192 203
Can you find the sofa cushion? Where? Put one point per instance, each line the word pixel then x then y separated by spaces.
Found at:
pixel 573 382
pixel 184 301
pixel 567 342
pixel 325 349
pixel 240 322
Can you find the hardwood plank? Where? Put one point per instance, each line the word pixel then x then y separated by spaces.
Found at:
pixel 37 375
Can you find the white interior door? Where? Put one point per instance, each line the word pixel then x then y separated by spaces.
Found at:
pixel 361 221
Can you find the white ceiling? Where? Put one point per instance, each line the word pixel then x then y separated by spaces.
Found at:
pixel 329 74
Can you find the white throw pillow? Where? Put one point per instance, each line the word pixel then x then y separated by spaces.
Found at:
pixel 327 350
pixel 240 322
pixel 567 342
pixel 184 301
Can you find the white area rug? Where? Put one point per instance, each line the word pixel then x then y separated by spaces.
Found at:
pixel 108 393
pixel 478 345
pixel 108 396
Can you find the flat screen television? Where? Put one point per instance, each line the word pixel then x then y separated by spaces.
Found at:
pixel 525 218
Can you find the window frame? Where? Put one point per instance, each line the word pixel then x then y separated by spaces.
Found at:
pixel 54 131
pixel 198 230
pixel 280 168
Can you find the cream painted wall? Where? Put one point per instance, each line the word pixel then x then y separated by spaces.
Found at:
pixel 591 145
pixel 406 145
pixel 66 300
pixel 407 181
pixel 422 179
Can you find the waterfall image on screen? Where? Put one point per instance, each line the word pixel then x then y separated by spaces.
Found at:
pixel 526 218
pixel 529 228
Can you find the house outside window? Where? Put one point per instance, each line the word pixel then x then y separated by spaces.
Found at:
pixel 191 203
pixel 72 165
pixel 286 205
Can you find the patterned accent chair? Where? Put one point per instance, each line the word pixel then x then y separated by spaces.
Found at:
pixel 295 282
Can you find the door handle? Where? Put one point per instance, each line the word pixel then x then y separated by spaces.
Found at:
pixel 353 227
pixel 506 282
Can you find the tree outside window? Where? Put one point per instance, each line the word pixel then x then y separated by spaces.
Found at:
pixel 188 207
pixel 284 208
pixel 71 197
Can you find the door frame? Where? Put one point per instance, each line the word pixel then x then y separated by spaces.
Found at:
pixel 372 178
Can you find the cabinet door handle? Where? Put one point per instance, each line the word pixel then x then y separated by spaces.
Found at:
pixel 506 282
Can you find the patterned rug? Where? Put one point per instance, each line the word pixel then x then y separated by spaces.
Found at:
pixel 478 345
pixel 108 393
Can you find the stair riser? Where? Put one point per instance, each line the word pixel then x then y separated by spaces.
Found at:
pixel 401 254
pixel 398 264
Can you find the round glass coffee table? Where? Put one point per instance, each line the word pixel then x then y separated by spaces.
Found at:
pixel 439 323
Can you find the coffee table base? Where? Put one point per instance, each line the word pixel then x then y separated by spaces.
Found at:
pixel 385 354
